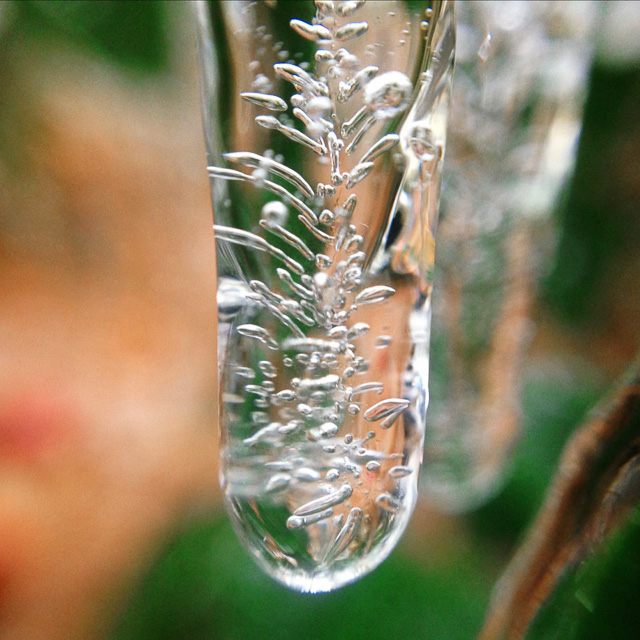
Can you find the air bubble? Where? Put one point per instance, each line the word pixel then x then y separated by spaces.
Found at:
pixel 399 472
pixel 328 430
pixel 277 482
pixel 286 395
pixel 267 369
pixel 313 32
pixel 351 30
pixel 322 261
pixel 388 503
pixel 422 143
pixel 388 95
pixel 374 294
pixel 268 101
pixel 245 372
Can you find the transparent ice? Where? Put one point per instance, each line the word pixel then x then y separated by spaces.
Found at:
pixel 325 125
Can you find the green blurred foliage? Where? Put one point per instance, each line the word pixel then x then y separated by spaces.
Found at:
pixel 206 586
pixel 132 35
pixel 598 599
pixel 598 222
pixel 551 408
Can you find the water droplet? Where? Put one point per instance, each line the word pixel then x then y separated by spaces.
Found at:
pixel 383 342
pixel 280 465
pixel 372 465
pixel 335 146
pixel 271 122
pixel 268 122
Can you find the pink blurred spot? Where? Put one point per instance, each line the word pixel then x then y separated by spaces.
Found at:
pixel 33 422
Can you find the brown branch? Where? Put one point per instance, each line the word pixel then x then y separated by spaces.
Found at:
pixel 597 481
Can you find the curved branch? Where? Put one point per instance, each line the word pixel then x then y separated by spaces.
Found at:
pixel 597 482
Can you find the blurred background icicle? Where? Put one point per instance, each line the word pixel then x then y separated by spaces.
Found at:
pixel 519 85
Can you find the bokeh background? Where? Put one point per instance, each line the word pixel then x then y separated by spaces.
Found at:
pixel 111 524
